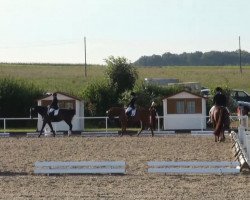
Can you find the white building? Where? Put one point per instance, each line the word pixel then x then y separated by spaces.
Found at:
pixel 184 111
pixel 68 102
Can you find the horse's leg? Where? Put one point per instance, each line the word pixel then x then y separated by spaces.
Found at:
pixel 152 131
pixel 222 136
pixel 123 128
pixel 51 127
pixel 41 131
pixel 70 127
pixel 142 126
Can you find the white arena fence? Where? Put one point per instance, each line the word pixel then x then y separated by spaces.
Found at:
pixel 238 120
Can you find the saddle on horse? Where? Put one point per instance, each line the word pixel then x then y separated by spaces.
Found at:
pixel 53 112
pixel 130 112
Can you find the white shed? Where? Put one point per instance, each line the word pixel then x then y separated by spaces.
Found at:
pixel 68 102
pixel 184 110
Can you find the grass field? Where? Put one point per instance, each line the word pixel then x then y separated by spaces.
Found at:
pixel 71 78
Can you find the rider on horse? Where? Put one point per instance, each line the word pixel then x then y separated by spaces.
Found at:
pixel 130 111
pixel 219 99
pixel 54 105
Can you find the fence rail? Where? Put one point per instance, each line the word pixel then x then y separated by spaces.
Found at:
pixel 160 119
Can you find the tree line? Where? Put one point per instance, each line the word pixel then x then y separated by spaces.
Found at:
pixel 211 58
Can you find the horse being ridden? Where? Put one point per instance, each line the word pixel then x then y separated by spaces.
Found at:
pixel 219 115
pixel 142 115
pixel 63 115
pixel 221 122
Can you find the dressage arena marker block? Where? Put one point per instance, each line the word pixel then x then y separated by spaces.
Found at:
pixel 61 134
pixel 80 167
pixel 159 133
pixel 204 133
pixel 35 134
pixel 100 134
pixel 4 135
pixel 181 167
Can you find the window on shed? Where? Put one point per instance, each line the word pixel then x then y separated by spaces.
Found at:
pixel 184 106
pixel 180 107
pixel 190 106
pixel 67 104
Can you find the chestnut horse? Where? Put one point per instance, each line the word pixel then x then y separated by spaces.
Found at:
pixel 142 115
pixel 221 122
pixel 63 115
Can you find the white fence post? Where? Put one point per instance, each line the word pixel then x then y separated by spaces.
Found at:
pixel 248 145
pixel 158 124
pixel 106 124
pixel 4 124
pixel 241 130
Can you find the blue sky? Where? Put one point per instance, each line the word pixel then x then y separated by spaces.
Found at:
pixel 54 30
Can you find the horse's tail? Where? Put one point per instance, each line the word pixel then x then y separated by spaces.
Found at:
pixel 72 112
pixel 219 124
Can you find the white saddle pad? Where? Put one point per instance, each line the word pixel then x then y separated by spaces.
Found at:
pixel 56 112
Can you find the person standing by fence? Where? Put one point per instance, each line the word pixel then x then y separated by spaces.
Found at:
pixel 153 114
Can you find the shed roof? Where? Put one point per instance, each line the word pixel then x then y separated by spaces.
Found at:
pixel 167 97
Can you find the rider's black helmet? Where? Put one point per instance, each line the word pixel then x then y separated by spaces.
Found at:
pixel 54 94
pixel 132 94
pixel 218 89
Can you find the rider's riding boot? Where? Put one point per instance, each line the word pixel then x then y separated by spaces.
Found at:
pixel 51 114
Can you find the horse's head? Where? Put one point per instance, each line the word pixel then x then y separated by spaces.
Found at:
pixel 33 112
pixel 115 112
pixel 38 110
pixel 110 114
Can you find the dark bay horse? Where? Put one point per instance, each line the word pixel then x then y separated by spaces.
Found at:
pixel 142 115
pixel 63 115
pixel 221 122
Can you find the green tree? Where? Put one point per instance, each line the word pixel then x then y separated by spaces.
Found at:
pixel 99 95
pixel 121 73
pixel 16 97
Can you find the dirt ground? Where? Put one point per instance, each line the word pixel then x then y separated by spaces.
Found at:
pixel 18 156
